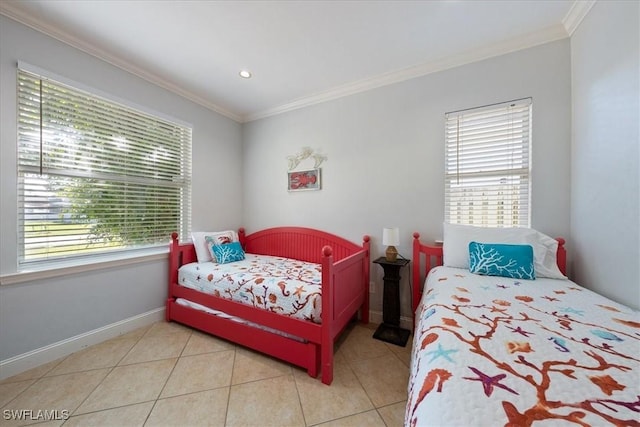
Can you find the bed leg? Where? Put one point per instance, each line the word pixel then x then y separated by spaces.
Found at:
pixel 364 309
pixel 327 362
pixel 313 367
pixel 364 314
pixel 167 310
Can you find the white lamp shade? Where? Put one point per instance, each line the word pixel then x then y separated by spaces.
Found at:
pixel 390 236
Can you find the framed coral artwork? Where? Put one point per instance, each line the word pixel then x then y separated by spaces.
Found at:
pixel 304 180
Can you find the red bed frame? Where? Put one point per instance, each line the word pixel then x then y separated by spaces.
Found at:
pixel 345 290
pixel 433 257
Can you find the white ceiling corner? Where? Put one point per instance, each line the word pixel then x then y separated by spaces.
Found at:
pixel 9 9
pixel 576 14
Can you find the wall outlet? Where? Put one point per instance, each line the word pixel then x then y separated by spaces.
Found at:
pixel 372 287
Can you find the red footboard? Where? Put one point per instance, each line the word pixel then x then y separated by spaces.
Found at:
pixel 345 291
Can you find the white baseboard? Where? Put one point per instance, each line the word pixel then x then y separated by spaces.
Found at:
pixel 40 356
pixel 405 322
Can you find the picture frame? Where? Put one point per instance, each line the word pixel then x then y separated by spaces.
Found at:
pixel 304 180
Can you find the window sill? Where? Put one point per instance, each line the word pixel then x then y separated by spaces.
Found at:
pixel 65 270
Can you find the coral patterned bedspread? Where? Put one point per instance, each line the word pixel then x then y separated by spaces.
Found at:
pixel 492 351
pixel 281 285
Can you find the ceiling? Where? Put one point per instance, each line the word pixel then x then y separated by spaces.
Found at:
pixel 299 52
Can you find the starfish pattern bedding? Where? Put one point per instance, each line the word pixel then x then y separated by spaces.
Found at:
pixel 282 285
pixel 492 351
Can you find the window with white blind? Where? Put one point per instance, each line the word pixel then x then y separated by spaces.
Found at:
pixel 95 177
pixel 488 165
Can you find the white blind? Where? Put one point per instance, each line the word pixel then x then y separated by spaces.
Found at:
pixel 487 165
pixel 95 176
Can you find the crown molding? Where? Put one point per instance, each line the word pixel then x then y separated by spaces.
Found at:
pixel 553 33
pixel 576 14
pixel 12 11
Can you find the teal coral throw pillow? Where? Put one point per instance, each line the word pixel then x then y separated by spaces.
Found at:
pixel 228 252
pixel 494 259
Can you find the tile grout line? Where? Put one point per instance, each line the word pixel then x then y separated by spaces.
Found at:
pixel 72 413
pixel 233 368
pixel 111 369
pixel 35 380
pixel 155 401
pixel 350 364
pixel 295 382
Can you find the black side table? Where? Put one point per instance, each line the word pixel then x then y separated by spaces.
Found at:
pixel 390 330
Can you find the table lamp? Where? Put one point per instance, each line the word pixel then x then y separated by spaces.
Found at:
pixel 391 238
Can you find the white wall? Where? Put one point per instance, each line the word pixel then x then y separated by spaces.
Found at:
pixel 39 313
pixel 605 152
pixel 385 151
pixel 384 167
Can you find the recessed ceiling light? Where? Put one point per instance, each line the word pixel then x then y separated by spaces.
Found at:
pixel 245 74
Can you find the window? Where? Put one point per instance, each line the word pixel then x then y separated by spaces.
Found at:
pixel 94 176
pixel 488 164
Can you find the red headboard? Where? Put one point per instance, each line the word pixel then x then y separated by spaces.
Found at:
pixel 305 244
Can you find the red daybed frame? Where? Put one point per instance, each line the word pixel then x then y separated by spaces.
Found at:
pixel 433 258
pixel 345 290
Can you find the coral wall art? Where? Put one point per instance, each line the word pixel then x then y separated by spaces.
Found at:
pixel 306 155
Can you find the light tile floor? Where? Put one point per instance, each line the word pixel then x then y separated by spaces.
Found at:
pixel 168 374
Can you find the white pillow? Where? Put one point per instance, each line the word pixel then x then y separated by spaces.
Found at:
pixel 455 248
pixel 545 255
pixel 200 244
